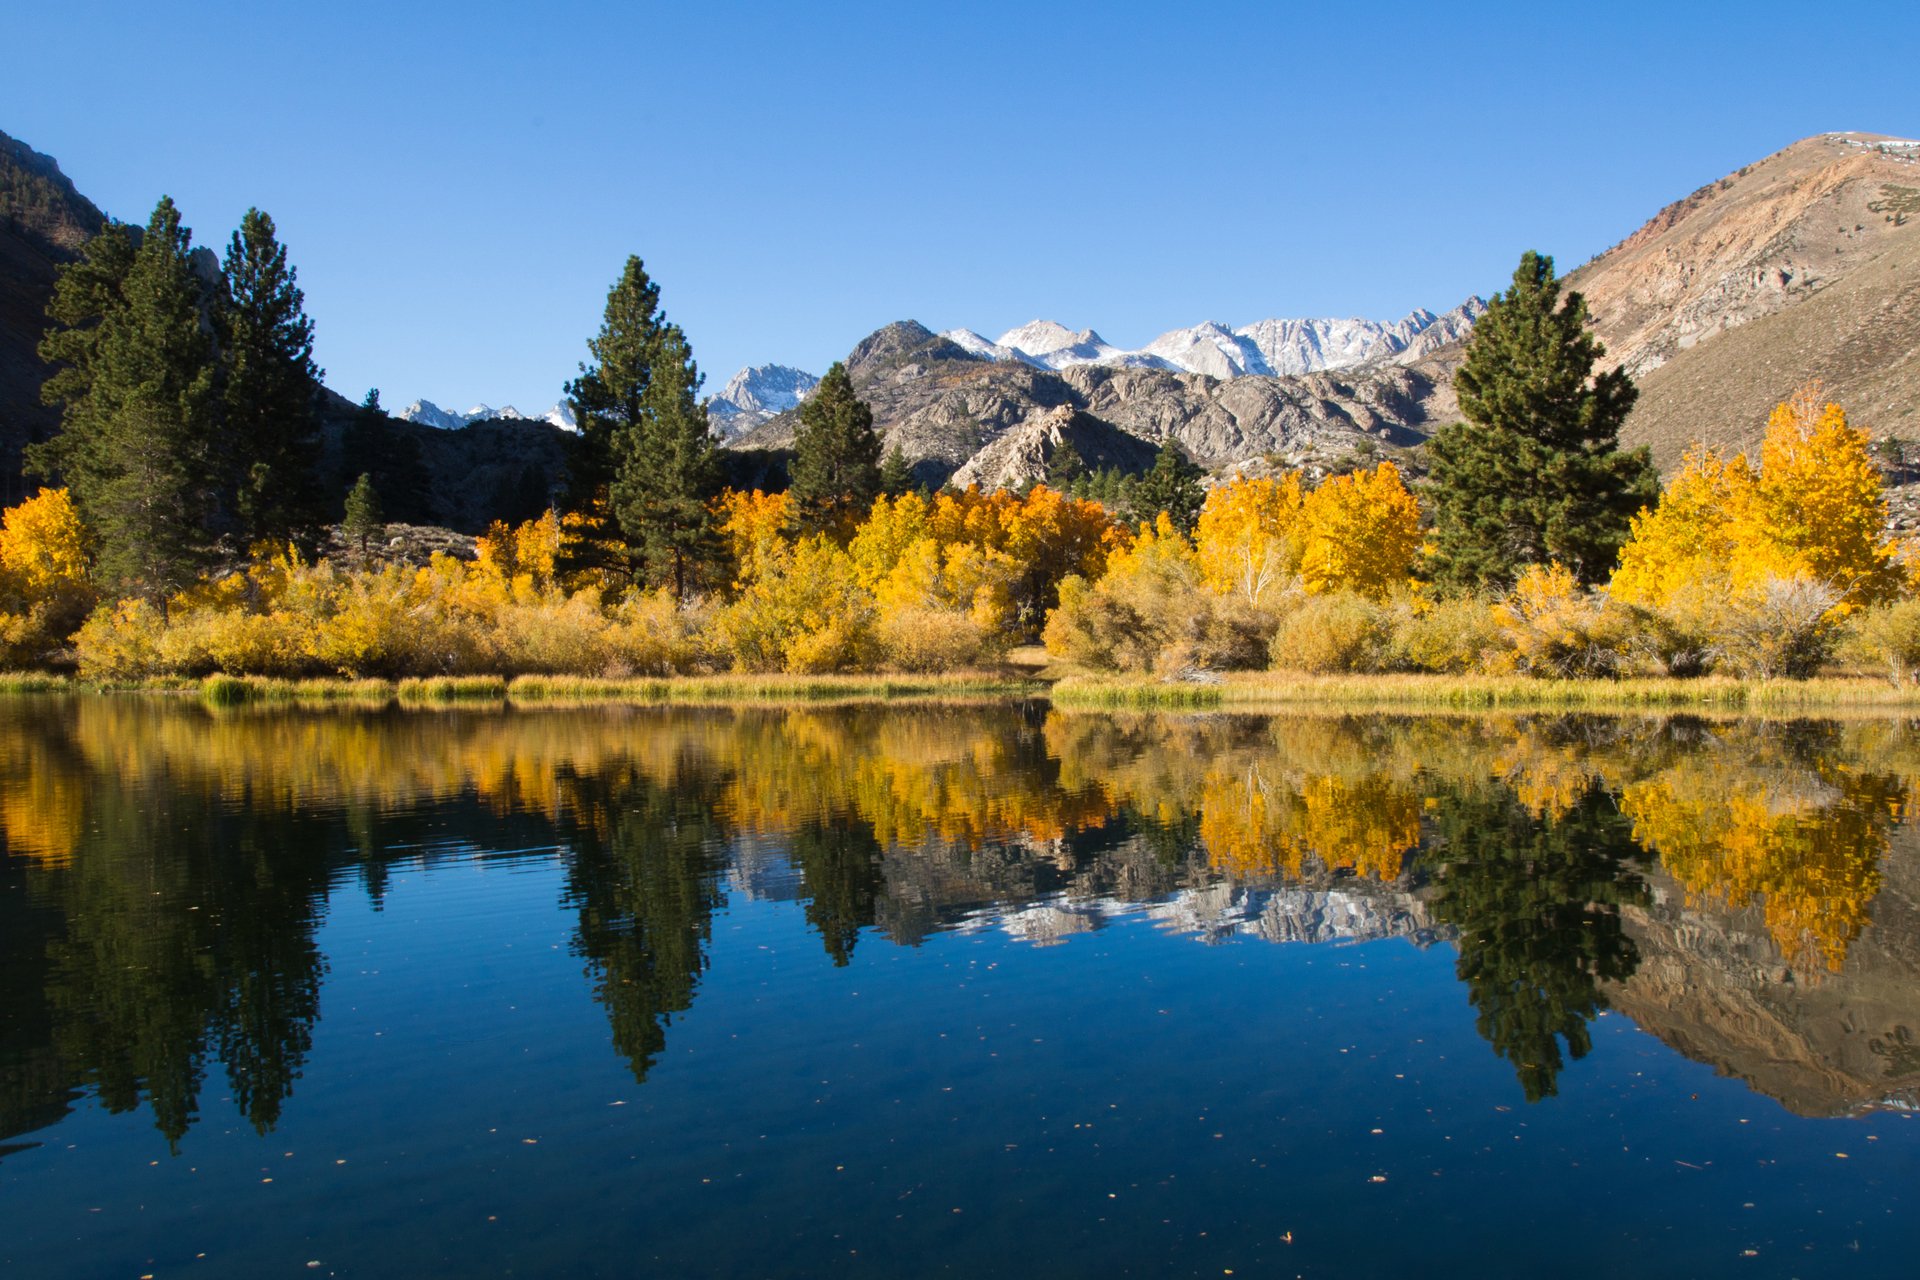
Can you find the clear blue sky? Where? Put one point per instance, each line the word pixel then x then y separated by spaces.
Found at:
pixel 458 184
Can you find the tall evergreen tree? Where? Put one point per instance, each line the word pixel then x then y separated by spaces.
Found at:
pixel 896 473
pixel 1172 486
pixel 1065 467
pixel 608 407
pixel 836 463
pixel 271 433
pixel 1535 473
pixel 645 465
pixel 139 407
pixel 668 472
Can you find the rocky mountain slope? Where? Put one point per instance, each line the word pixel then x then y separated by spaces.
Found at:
pixel 429 414
pixel 1803 265
pixel 43 223
pixel 755 394
pixel 943 404
pixel 1263 349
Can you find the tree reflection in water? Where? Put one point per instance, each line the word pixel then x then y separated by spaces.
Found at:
pixel 167 868
pixel 1537 904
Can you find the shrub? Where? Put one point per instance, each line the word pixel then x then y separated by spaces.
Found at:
pixel 922 638
pixel 1556 629
pixel 1340 632
pixel 652 634
pixel 1889 634
pixel 1785 628
pixel 807 613
pixel 1450 636
pixel 120 641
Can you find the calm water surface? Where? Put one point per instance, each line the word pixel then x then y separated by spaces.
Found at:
pixel 980 990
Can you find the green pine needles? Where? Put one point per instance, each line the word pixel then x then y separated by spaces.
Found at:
pixel 1536 473
pixel 646 467
pixel 188 400
pixel 836 463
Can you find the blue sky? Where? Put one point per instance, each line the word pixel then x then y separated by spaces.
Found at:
pixel 458 184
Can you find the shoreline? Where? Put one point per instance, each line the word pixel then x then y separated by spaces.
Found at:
pixel 1249 692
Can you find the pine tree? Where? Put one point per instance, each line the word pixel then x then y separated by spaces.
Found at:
pixel 139 405
pixel 609 408
pixel 668 471
pixel 836 463
pixel 1172 486
pixel 896 475
pixel 271 431
pixel 1535 474
pixel 375 443
pixel 1064 467
pixel 363 522
pixel 646 464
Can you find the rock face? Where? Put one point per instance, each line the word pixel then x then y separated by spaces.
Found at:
pixel 1262 349
pixel 943 404
pixel 429 414
pixel 1803 265
pixel 755 394
pixel 1024 451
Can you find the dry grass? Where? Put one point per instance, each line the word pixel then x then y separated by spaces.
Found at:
pixel 1257 690
pixel 552 690
pixel 233 691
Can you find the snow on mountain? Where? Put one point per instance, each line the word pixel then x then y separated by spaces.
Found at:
pixel 1264 347
pixel 1212 349
pixel 987 348
pixel 429 414
pixel 1307 346
pixel 755 394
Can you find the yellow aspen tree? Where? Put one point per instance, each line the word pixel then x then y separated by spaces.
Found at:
pixel 1701 529
pixel 43 545
pixel 1820 495
pixel 753 523
pixel 1249 536
pixel 1362 532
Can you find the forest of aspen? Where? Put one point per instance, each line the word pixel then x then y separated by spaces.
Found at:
pixel 178 530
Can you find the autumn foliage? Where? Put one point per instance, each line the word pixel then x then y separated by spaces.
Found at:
pixel 1764 568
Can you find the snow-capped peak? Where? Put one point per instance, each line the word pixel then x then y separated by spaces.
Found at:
pixel 1264 347
pixel 755 394
pixel 1044 337
pixel 429 414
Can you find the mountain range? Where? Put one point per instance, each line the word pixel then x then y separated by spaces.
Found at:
pixel 427 413
pixel 1801 265
pixel 1264 348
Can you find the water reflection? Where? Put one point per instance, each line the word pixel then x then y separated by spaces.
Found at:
pixel 167 868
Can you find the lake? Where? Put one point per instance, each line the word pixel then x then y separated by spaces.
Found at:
pixel 982 990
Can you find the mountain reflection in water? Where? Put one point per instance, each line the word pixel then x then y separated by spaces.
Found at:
pixel 1745 890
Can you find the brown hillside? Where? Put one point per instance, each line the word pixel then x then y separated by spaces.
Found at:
pixel 1803 265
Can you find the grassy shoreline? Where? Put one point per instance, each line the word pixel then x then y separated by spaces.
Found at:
pixel 565 691
pixel 1273 691
pixel 1239 691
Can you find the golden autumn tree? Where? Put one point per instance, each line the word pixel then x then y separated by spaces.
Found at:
pixel 753 524
pixel 1361 533
pixel 1812 509
pixel 44 586
pixel 1249 536
pixel 1821 495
